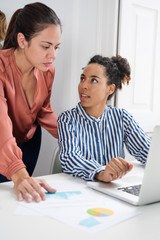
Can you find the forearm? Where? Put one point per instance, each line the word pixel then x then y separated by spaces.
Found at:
pixel 74 159
pixel 11 158
pixel 136 140
pixel 78 166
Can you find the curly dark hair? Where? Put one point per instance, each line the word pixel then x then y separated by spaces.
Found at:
pixel 117 70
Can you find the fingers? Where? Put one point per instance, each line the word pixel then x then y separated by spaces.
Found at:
pixel 46 186
pixel 27 189
pixel 130 167
pixel 19 197
pixel 116 169
pixel 121 166
pixel 31 188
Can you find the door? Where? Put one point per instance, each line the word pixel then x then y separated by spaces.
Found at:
pixel 139 42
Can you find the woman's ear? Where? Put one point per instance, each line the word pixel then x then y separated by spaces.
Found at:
pixel 111 88
pixel 21 40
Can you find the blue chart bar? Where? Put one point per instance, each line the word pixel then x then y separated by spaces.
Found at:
pixel 62 195
pixel 89 222
pixel 95 213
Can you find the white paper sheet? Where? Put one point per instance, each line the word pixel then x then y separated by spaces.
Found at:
pixel 80 207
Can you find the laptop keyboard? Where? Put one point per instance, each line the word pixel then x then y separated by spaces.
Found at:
pixel 135 190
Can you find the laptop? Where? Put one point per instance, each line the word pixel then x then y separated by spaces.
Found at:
pixel 134 189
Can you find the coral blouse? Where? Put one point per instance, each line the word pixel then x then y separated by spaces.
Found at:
pixel 18 121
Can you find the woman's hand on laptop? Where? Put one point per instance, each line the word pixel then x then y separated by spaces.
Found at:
pixel 115 169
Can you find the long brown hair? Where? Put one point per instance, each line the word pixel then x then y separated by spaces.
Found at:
pixel 29 20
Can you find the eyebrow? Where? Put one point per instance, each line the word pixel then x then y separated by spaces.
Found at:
pixel 50 43
pixel 92 76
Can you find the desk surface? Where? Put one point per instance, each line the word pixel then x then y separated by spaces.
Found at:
pixel 144 226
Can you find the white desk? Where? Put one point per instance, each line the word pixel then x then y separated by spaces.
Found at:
pixel 144 226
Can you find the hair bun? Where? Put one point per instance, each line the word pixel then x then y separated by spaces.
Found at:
pixel 124 68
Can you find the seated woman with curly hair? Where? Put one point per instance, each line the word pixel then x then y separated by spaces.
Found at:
pixel 92 135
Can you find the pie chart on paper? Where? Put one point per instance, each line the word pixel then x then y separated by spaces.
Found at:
pixel 100 212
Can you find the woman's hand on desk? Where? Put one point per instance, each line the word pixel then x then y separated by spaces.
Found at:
pixel 115 169
pixel 27 187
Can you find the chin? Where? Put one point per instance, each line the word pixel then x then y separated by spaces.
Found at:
pixel 84 104
pixel 43 69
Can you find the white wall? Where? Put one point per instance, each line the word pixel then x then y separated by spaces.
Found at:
pixel 89 27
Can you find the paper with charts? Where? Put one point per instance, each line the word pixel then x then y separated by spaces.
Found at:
pixel 80 207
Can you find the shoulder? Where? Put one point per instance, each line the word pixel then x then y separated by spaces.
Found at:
pixel 68 115
pixel 117 111
pixel 119 115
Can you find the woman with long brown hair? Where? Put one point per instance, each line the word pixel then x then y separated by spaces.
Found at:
pixel 26 78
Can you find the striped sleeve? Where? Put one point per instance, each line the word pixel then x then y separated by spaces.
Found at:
pixel 136 141
pixel 72 160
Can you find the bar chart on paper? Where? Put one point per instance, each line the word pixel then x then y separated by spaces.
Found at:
pixel 63 195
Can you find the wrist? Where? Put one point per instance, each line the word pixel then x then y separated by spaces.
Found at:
pixel 99 176
pixel 20 174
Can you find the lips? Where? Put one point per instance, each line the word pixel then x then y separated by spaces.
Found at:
pixel 83 97
pixel 48 64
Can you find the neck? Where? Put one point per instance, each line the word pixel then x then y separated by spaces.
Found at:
pixel 24 66
pixel 94 112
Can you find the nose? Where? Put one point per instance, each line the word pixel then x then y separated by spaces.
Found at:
pixel 52 54
pixel 85 85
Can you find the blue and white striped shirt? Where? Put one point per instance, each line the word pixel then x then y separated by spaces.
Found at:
pixel 87 144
